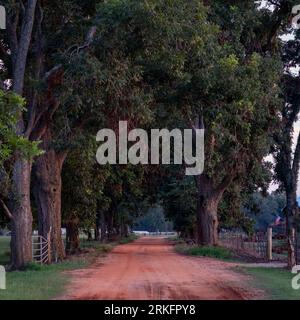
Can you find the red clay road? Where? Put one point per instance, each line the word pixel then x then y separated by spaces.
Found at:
pixel 149 269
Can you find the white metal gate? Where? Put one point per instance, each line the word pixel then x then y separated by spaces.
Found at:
pixel 40 249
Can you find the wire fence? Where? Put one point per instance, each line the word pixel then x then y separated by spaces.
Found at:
pixel 255 245
pixel 269 245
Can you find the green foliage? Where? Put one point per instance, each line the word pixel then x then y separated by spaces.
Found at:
pixel 264 209
pixel 155 63
pixel 227 79
pixel 153 221
pixel 10 107
pixel 179 200
pixel 83 183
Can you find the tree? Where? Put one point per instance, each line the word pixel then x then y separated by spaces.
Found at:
pixel 222 80
pixel 82 190
pixel 153 221
pixel 34 36
pixel 286 152
pixel 264 209
pixel 112 194
pixel 94 89
pixel 20 23
pixel 10 107
pixel 68 54
pixel 235 102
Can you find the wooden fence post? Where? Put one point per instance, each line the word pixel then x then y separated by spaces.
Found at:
pixel 293 234
pixel 270 245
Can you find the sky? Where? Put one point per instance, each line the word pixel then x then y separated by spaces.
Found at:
pixel 296 71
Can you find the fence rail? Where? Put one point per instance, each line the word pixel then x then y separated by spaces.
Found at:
pixel 255 245
pixel 270 245
pixel 40 249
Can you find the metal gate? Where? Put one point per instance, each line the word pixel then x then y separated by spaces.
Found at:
pixel 40 249
pixel 279 243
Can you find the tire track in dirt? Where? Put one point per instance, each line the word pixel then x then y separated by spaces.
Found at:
pixel 149 269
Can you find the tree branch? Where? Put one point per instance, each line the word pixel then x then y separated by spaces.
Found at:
pixel 225 183
pixel 6 210
pixel 12 23
pixel 23 47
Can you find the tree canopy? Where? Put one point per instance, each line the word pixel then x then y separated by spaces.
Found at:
pixel 70 68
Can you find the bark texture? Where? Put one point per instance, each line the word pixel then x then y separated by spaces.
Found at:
pixel 72 235
pixel 207 211
pixel 47 193
pixel 21 248
pixel 21 242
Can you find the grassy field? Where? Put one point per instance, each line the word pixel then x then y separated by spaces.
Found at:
pixel 47 282
pixel 275 282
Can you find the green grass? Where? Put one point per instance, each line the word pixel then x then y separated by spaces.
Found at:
pixel 47 282
pixel 275 282
pixel 213 252
pixel 39 282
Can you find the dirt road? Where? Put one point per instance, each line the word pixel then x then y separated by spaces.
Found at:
pixel 149 269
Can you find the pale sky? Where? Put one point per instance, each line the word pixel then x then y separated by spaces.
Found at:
pixel 274 186
pixel 296 71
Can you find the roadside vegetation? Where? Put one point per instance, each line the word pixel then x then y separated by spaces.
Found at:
pixel 206 251
pixel 44 282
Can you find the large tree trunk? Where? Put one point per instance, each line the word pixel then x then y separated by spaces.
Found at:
pixel 207 221
pixel 207 211
pixel 97 227
pixel 47 192
pixel 291 211
pixel 73 235
pixel 21 239
pixel 103 230
pixel 208 199
pixel 110 225
pixel 124 230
